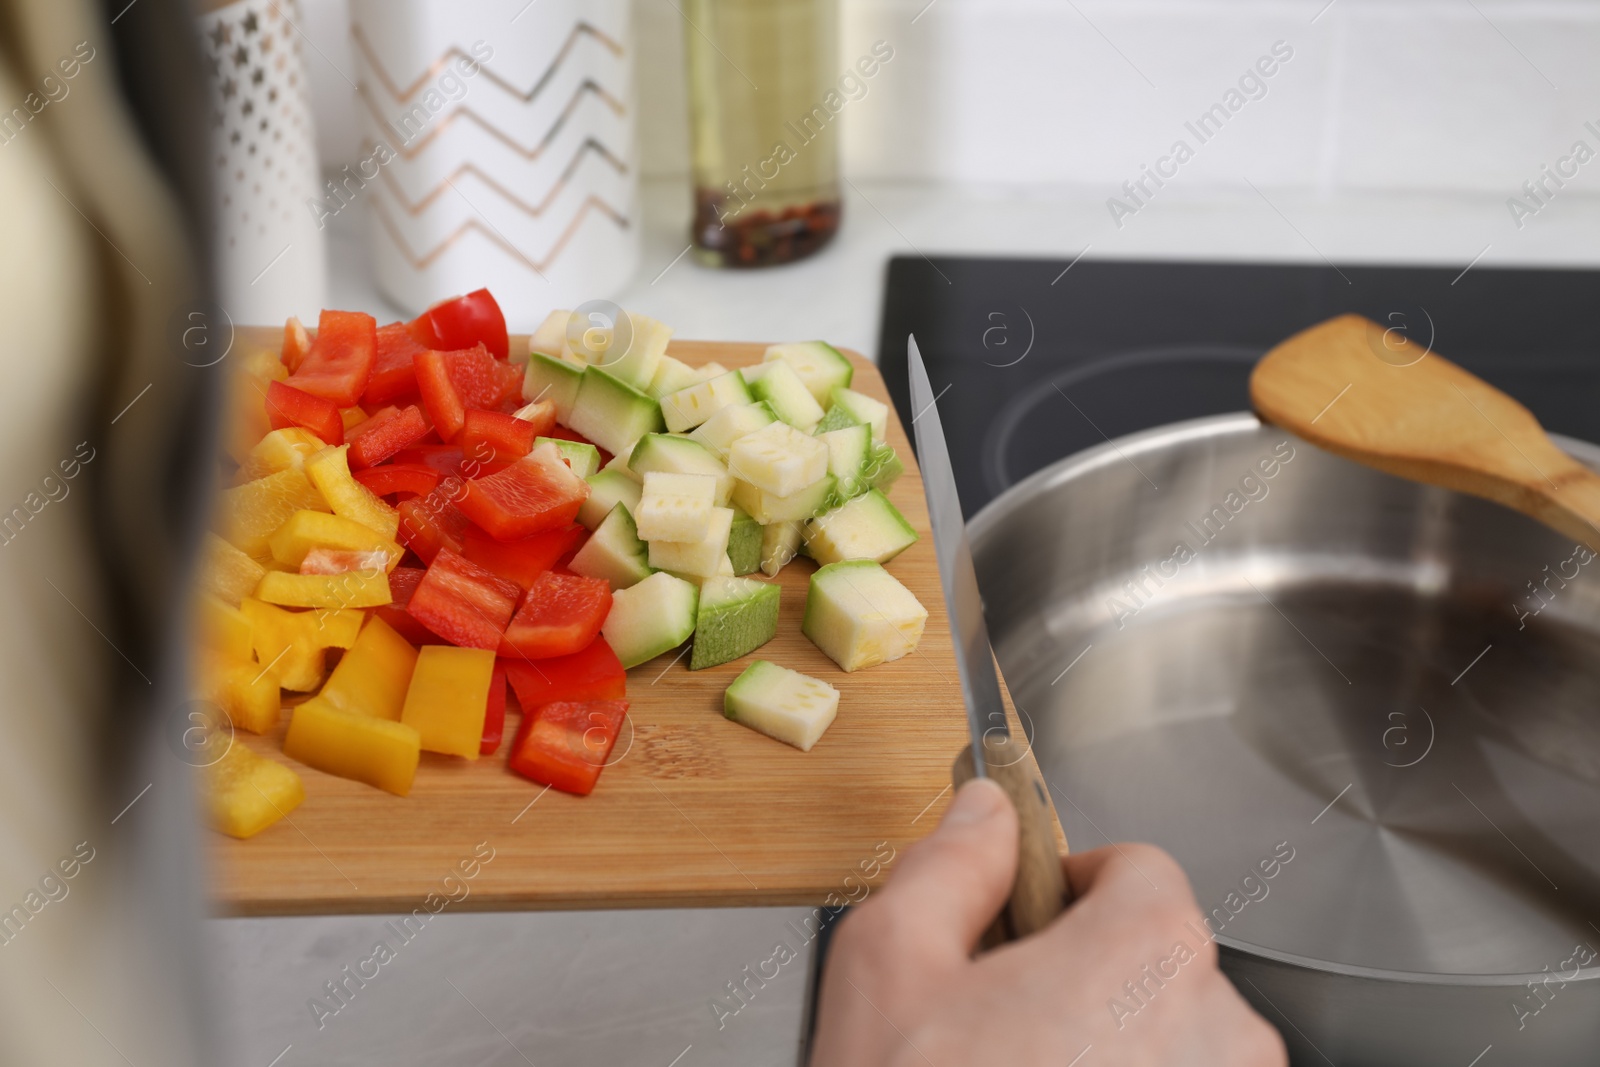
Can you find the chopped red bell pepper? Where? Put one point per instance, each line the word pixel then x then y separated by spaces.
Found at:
pixel 393 377
pixel 403 582
pixel 491 437
pixel 595 673
pixel 463 322
pixel 288 406
pixel 483 381
pixel 430 523
pixel 462 602
pixel 494 718
pixel 566 745
pixel 392 478
pixel 296 344
pixel 561 614
pixel 341 357
pixel 446 459
pixel 538 492
pixel 385 433
pixel 524 560
pixel 446 410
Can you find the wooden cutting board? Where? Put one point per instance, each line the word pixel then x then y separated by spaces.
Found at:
pixel 694 810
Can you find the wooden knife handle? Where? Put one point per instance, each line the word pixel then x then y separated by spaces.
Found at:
pixel 1040 891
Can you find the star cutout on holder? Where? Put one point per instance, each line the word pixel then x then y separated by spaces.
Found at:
pixel 241 56
pixel 220 35
pixel 250 23
pixel 229 88
pixel 258 76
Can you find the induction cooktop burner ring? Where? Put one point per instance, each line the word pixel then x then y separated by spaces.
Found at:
pixel 997 440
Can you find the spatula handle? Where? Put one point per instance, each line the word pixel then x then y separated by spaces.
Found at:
pixel 1040 892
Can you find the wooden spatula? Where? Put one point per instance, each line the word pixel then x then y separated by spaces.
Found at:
pixel 1374 396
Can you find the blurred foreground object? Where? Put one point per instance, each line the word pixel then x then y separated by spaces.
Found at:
pixel 498 150
pixel 763 114
pixel 269 246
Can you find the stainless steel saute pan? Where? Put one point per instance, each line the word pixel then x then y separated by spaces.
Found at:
pixel 1363 713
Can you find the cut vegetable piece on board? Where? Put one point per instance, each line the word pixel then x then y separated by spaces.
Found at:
pixel 766 508
pixel 228 572
pixel 538 492
pixel 780 543
pixel 372 677
pixel 464 603
pixel 595 673
pixel 553 379
pixel 566 745
pixel 584 459
pixel 614 552
pixel 680 455
pixel 779 385
pixel 731 423
pixel 676 507
pixel 868 527
pixel 735 616
pixel 430 523
pixel 778 459
pixel 638 362
pixel 448 698
pixel 394 376
pixel 296 343
pixel 551 336
pixel 688 408
pixel 222 627
pixel 619 465
pixel 396 479
pixel 849 450
pixel 864 409
pixel 494 716
pixel 607 489
pixel 288 406
pixel 464 321
pixel 783 704
pixel 341 357
pixel 612 413
pixel 246 793
pixel 353 589
pixel 650 618
pixel 495 437
pixel 541 413
pixel 385 433
pixel 403 582
pixel 278 451
pixel 523 560
pixel 744 544
pixel 696 559
pixel 307 530
pixel 333 561
pixel 249 513
pixel 246 691
pixel 329 471
pixel 291 643
pixel 378 752
pixel 883 466
pixel 561 614
pixel 817 364
pixel 672 375
pixel 860 615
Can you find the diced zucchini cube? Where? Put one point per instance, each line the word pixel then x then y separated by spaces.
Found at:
pixel 785 705
pixel 860 615
pixel 688 408
pixel 676 507
pixel 672 375
pixel 867 527
pixel 874 413
pixel 550 378
pixel 883 466
pixel 638 362
pixel 779 385
pixel 583 458
pixel 551 336
pixel 698 559
pixel 780 543
pixel 731 423
pixel 612 413
pixel 614 552
pixel 766 508
pixel 650 618
pixel 607 489
pixel 778 459
pixel 848 451
pixel 744 544
pixel 736 616
pixel 819 365
pixel 680 455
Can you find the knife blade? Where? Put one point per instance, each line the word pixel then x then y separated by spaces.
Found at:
pixel 1039 892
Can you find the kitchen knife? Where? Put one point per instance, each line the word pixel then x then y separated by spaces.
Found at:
pixel 1039 893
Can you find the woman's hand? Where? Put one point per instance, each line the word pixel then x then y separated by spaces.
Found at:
pixel 1125 976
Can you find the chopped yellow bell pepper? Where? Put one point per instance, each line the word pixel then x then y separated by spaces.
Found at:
pixel 352 589
pixel 351 745
pixel 329 471
pixel 305 530
pixel 250 512
pixel 448 698
pixel 245 411
pixel 373 676
pixel 280 450
pixel 247 793
pixel 227 572
pixel 352 417
pixel 246 690
pixel 222 626
pixel 292 642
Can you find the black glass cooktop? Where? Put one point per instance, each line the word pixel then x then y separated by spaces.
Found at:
pixel 1034 361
